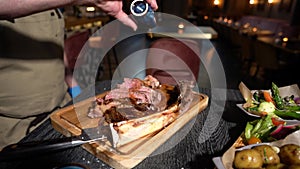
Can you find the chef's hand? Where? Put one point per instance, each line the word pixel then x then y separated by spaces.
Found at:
pixel 114 8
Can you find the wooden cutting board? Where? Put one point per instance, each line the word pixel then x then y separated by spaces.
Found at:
pixel 72 119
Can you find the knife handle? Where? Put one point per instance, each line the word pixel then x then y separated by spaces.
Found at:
pixel 29 149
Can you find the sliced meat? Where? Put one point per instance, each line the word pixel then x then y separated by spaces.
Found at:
pixel 112 115
pixel 135 98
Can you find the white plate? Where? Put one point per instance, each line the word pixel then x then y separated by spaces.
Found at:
pixel 288 122
pixel 218 160
pixel 242 108
pixel 292 138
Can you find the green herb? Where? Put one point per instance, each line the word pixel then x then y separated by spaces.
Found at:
pixel 265 156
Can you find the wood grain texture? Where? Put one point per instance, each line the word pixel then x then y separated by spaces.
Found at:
pixel 72 119
pixel 184 151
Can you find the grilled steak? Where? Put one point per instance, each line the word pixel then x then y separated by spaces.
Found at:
pixel 135 98
pixel 138 108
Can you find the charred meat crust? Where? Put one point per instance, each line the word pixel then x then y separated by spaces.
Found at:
pixel 135 99
pixel 173 93
pixel 112 115
pixel 134 110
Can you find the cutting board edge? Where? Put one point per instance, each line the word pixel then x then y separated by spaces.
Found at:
pixel 112 159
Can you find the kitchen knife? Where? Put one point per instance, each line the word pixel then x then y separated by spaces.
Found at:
pixel 101 133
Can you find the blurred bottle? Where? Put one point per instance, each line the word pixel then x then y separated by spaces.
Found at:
pixel 143 13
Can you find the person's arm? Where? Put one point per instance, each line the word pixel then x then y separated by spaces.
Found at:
pixel 18 8
pixel 10 9
pixel 114 8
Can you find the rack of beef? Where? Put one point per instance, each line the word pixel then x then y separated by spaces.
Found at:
pixel 135 98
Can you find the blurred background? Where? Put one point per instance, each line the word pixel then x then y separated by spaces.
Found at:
pixel 258 40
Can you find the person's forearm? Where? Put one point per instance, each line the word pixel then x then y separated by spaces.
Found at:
pixel 16 8
pixel 10 9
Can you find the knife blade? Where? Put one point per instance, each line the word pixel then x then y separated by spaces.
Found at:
pixel 21 150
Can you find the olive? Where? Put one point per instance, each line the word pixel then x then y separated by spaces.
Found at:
pixel 248 158
pixel 268 153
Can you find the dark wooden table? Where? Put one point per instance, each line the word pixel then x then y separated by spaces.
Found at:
pixel 265 36
pixel 72 21
pixel 214 131
pixel 286 47
pixel 189 32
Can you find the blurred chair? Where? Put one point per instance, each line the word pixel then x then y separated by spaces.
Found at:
pixel 73 46
pixel 247 52
pixel 236 42
pixel 286 30
pixel 270 24
pixel 170 60
pixel 105 39
pixel 266 58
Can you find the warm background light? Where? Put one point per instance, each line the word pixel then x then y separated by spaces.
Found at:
pixel 90 9
pixel 216 2
pixel 181 26
pixel 251 2
pixel 270 1
pixel 285 39
pixel 225 20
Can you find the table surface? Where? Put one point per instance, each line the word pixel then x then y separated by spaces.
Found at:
pixel 259 33
pixel 265 36
pixel 188 153
pixel 281 45
pixel 192 32
pixel 72 21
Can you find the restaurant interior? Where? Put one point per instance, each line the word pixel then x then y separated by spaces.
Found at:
pixel 257 40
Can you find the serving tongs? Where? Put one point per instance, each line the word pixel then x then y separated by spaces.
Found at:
pixel 34 148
